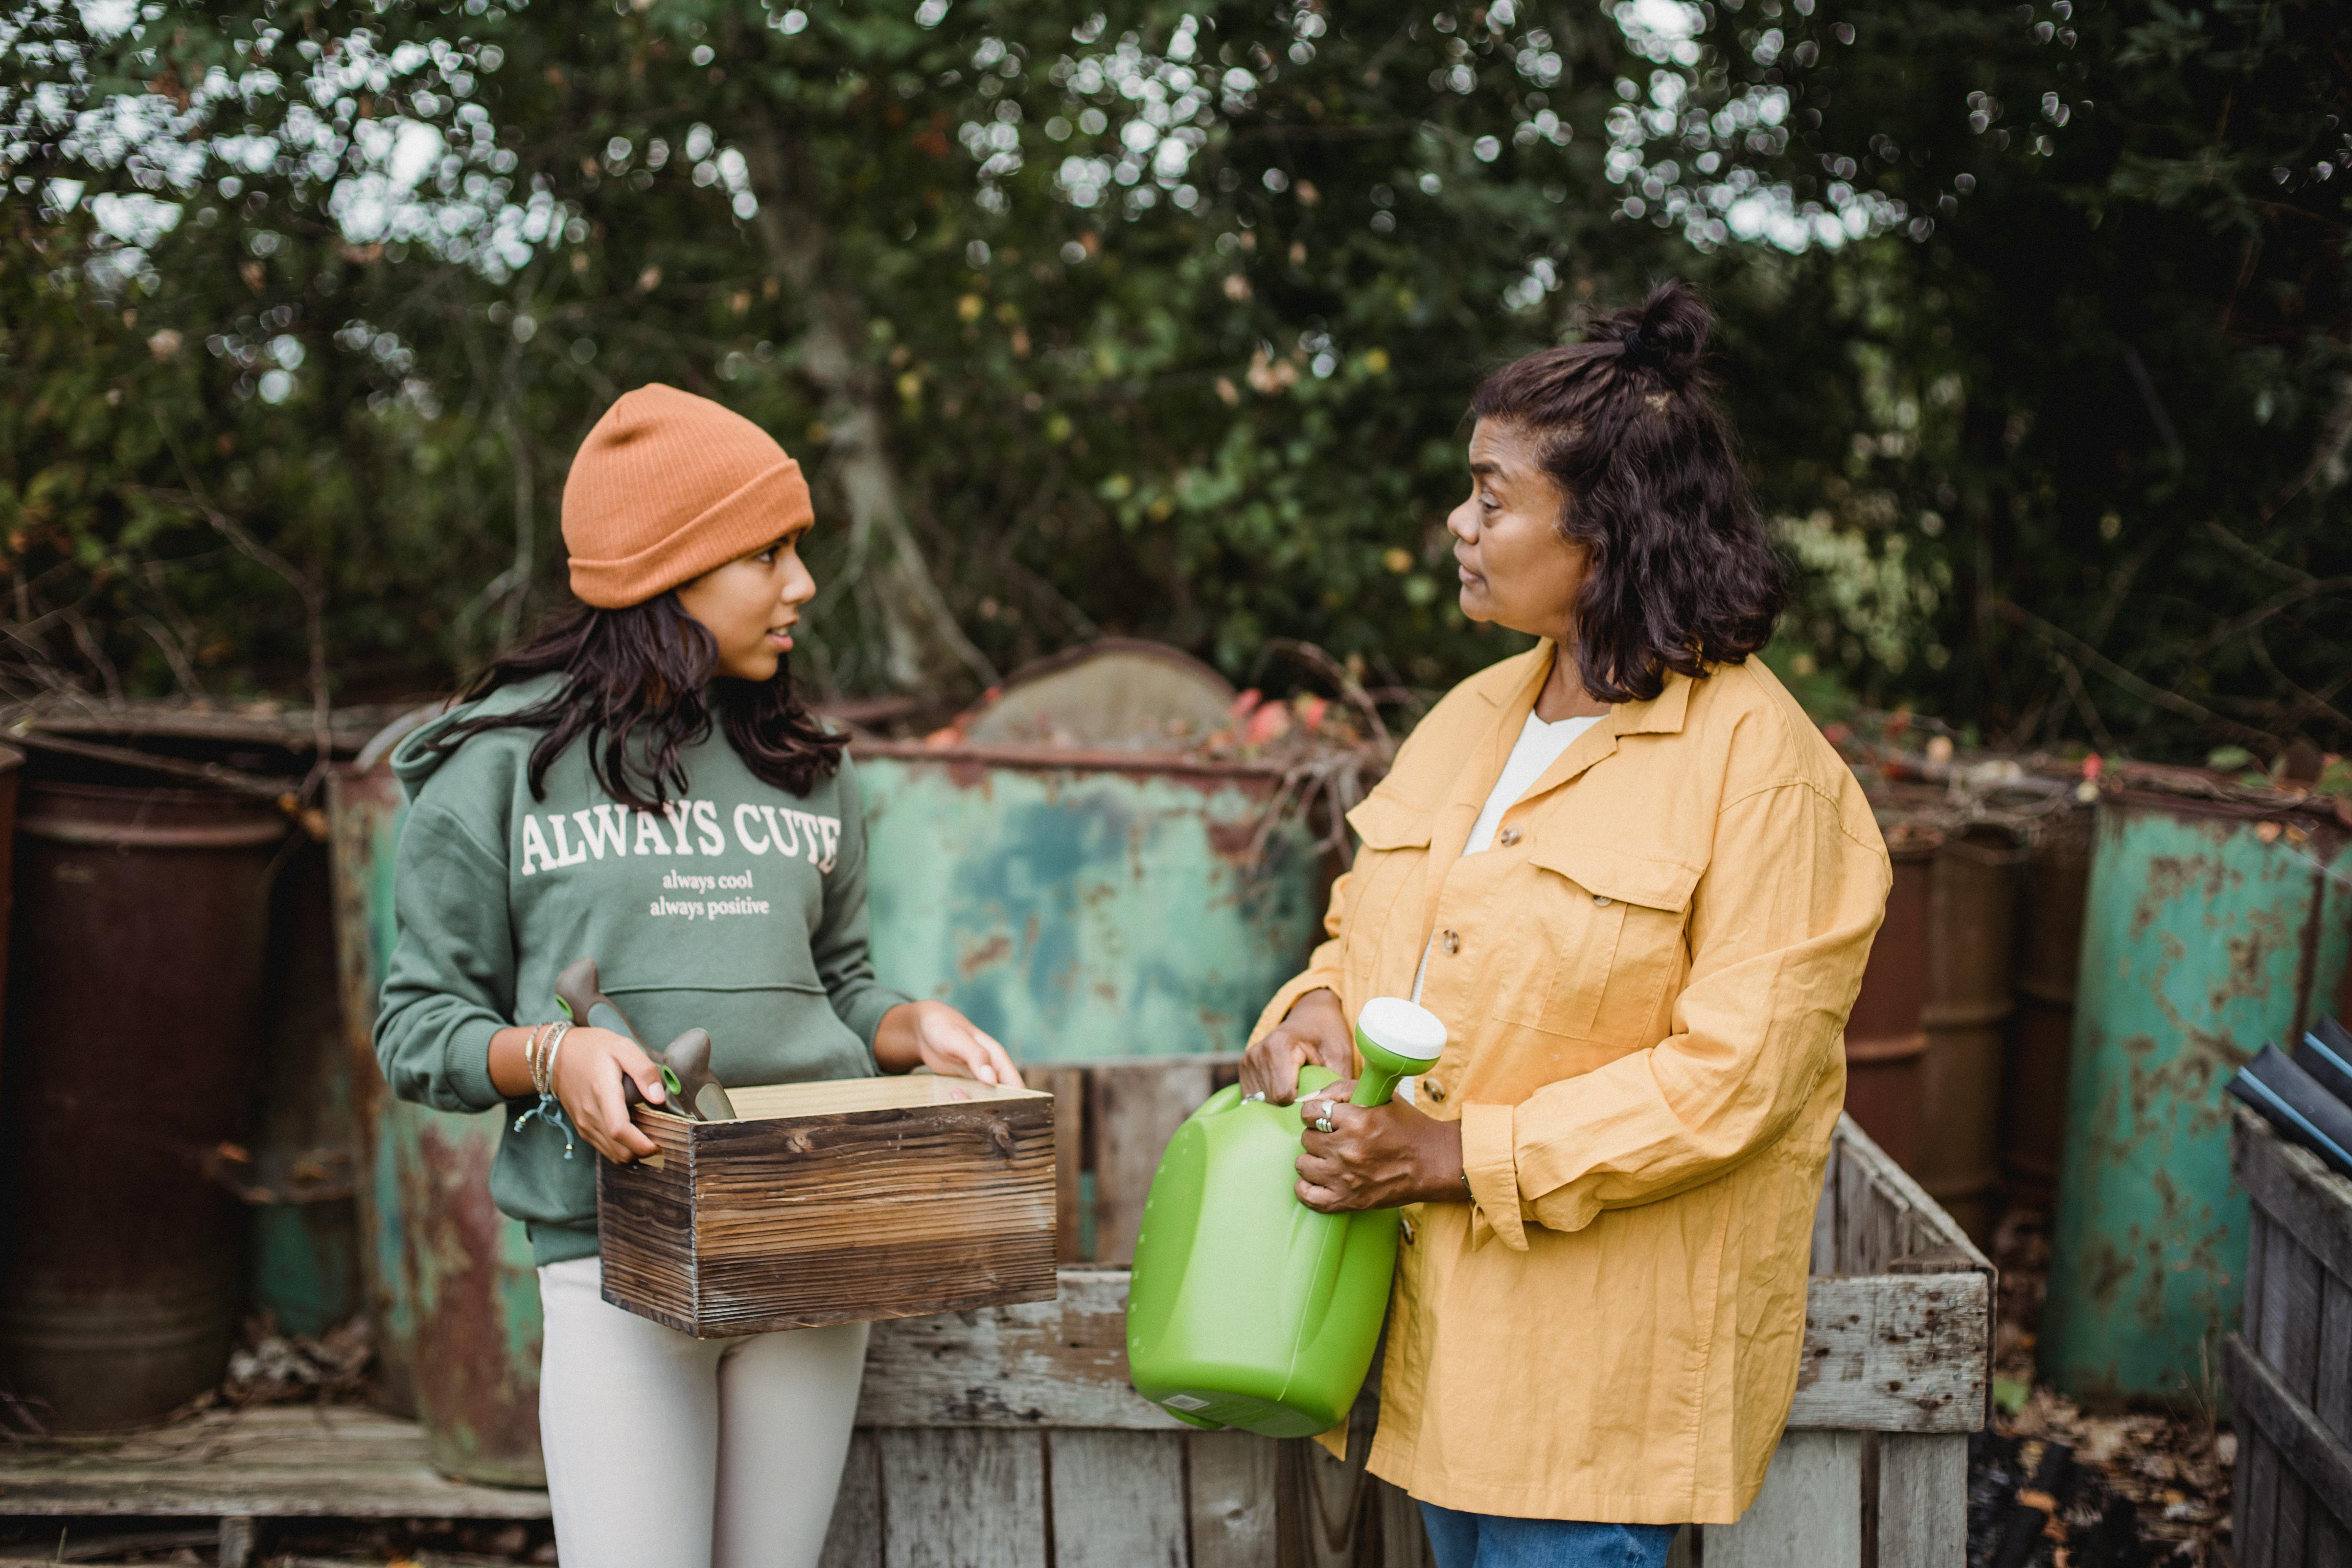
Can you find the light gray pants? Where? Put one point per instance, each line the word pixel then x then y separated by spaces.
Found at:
pixel 663 1449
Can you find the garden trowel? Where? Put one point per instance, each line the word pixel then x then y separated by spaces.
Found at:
pixel 694 1093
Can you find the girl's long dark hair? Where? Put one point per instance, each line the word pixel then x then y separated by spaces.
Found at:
pixel 637 689
pixel 1682 573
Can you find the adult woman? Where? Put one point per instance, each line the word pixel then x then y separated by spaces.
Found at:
pixel 640 784
pixel 1639 888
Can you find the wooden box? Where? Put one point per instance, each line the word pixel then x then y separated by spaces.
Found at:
pixel 834 1202
pixel 2290 1371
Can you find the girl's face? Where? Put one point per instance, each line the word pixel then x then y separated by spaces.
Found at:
pixel 1515 569
pixel 750 605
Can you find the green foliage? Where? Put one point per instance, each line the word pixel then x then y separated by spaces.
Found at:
pixel 1163 323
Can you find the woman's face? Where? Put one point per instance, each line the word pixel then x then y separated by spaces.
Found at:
pixel 1515 569
pixel 751 605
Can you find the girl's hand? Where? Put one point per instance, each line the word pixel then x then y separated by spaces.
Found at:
pixel 935 1036
pixel 1378 1158
pixel 589 1069
pixel 1314 1033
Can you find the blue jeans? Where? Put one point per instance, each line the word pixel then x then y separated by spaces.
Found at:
pixel 1490 1541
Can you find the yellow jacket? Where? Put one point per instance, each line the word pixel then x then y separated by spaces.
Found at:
pixel 1645 983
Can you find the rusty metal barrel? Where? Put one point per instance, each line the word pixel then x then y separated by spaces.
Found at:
pixel 139 991
pixel 1972 896
pixel 2055 878
pixel 450 1287
pixel 1886 1033
pixel 304 1254
pixel 2218 919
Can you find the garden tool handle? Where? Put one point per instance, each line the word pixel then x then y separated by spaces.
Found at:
pixel 579 992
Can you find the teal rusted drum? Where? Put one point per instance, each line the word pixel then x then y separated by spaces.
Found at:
pixel 450 1287
pixel 2216 919
pixel 1086 903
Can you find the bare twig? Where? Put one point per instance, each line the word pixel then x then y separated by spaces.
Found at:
pixel 2311 588
pixel 2253 557
pixel 2082 703
pixel 1351 690
pixel 2171 702
pixel 213 773
pixel 168 644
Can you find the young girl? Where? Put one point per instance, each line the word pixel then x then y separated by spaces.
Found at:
pixel 640 784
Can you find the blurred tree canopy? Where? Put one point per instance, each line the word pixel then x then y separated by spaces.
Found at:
pixel 1161 320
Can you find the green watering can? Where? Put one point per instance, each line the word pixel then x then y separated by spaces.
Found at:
pixel 1248 1308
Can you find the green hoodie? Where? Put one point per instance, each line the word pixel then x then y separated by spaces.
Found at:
pixel 739 909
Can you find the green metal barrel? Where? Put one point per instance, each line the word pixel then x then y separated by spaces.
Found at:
pixel 2213 925
pixel 450 1284
pixel 1079 904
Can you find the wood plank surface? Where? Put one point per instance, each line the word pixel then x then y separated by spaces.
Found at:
pixel 1823 1259
pixel 1067 1085
pixel 278 1461
pixel 2330 1544
pixel 2331 1380
pixel 1231 1493
pixel 1118 1499
pixel 838 1096
pixel 1809 1514
pixel 2312 1459
pixel 1923 1501
pixel 1405 1539
pixel 2253 1506
pixel 1321 1505
pixel 2286 1336
pixel 846 1217
pixel 1132 1111
pixel 1061 1362
pixel 2289 1184
pixel 961 1498
pixel 1889 1353
pixel 853 1539
pixel 1895 1354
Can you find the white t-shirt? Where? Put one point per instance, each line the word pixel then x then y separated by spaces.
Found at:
pixel 1539 746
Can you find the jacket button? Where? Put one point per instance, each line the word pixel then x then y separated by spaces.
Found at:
pixel 1436 1091
pixel 1601 900
pixel 1508 836
pixel 1451 943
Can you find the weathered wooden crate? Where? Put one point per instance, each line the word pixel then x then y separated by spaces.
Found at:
pixel 834 1202
pixel 1010 1436
pixel 2290 1371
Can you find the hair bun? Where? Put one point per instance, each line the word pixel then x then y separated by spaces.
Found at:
pixel 1667 334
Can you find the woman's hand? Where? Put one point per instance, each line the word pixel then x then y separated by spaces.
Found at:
pixel 590 1066
pixel 1316 1032
pixel 935 1036
pixel 1378 1158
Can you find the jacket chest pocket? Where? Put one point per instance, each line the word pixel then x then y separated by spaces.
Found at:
pixel 1601 938
pixel 1395 836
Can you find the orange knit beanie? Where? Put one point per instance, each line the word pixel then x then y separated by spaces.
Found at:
pixel 668 486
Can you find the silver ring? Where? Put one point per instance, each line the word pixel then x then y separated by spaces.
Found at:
pixel 1322 1124
pixel 1320 1107
pixel 1257 1099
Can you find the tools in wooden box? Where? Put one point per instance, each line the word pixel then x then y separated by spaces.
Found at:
pixel 791 1206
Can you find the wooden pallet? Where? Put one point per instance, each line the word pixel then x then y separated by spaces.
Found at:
pixel 1028 1406
pixel 242 1468
pixel 2290 1372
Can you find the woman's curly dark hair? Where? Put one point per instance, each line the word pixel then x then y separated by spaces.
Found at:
pixel 638 687
pixel 1682 575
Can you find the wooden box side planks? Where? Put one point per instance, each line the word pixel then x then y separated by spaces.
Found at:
pixel 832 1203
